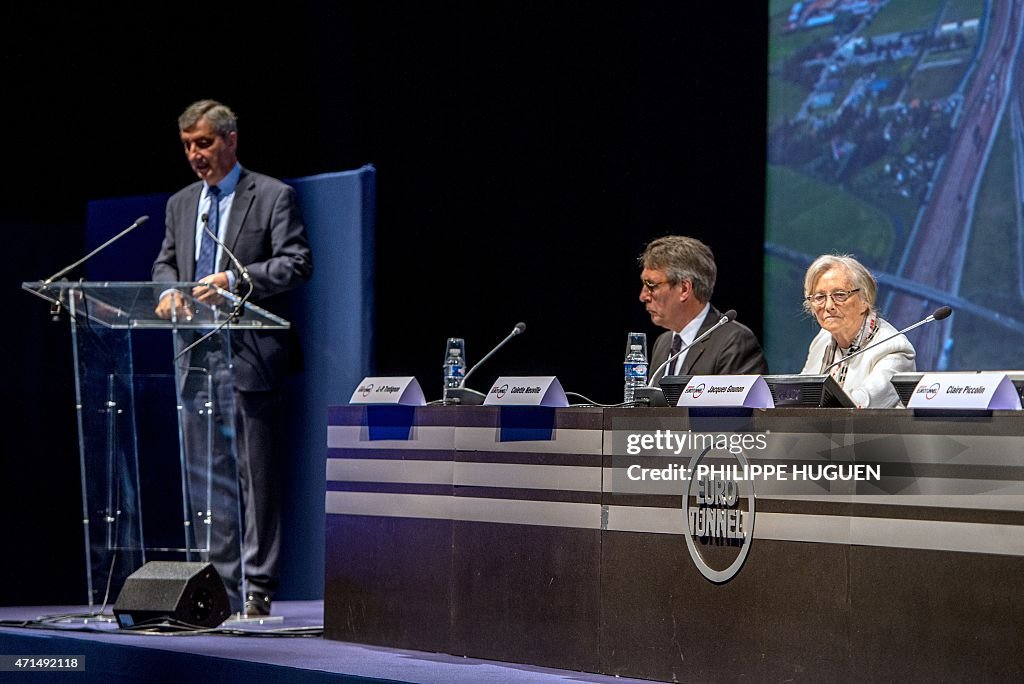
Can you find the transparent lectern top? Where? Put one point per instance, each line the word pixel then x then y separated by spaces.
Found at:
pixel 133 305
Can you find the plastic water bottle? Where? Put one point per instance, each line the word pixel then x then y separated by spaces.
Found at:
pixel 635 365
pixel 454 368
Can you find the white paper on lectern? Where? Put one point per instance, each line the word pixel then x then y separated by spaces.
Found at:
pixel 403 391
pixel 735 391
pixel 540 390
pixel 986 391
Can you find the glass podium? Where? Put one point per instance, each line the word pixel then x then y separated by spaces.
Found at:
pixel 155 412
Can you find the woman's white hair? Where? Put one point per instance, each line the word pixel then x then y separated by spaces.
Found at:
pixel 859 274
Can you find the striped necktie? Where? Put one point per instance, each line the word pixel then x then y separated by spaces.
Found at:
pixel 677 344
pixel 208 248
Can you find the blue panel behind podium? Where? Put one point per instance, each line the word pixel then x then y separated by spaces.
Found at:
pixel 526 423
pixel 333 316
pixel 390 422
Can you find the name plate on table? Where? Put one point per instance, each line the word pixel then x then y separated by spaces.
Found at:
pixel 985 391
pixel 540 390
pixel 403 391
pixel 733 391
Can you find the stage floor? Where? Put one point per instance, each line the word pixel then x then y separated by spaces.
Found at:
pixel 113 655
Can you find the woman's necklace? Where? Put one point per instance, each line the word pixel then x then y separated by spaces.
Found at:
pixel 868 330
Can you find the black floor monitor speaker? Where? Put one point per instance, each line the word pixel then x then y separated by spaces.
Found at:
pixel 185 592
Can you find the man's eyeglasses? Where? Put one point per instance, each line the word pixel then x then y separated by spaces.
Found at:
pixel 838 296
pixel 652 286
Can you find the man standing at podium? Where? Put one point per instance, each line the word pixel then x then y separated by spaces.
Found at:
pixel 678 280
pixel 256 218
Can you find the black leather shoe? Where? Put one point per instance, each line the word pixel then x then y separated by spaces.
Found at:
pixel 257 603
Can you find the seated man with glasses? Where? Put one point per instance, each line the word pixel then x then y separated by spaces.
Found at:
pixel 840 292
pixel 678 281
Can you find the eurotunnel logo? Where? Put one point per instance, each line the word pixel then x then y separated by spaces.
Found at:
pixel 695 390
pixel 366 389
pixel 931 391
pixel 718 530
pixel 500 392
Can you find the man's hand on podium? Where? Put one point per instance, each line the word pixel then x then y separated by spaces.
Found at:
pixel 173 301
pixel 208 295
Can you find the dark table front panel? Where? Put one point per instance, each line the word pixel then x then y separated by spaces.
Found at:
pixel 389 592
pixel 784 615
pixel 471 535
pixel 527 593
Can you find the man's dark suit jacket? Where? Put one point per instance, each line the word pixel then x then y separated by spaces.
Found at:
pixel 731 350
pixel 265 231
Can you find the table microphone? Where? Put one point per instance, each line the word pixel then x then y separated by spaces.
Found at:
pixel 937 315
pixel 464 395
pixel 654 396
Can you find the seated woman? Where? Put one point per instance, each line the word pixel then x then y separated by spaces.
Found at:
pixel 840 292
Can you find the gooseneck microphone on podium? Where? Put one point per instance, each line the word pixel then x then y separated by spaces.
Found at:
pixel 64 271
pixel 243 272
pixel 937 315
pixel 465 396
pixel 55 308
pixel 654 396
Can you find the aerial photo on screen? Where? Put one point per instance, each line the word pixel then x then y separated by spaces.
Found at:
pixel 896 134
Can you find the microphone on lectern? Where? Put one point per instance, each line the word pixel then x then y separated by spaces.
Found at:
pixel 138 222
pixel 56 305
